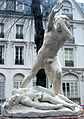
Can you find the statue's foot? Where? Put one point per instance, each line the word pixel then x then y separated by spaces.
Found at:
pixel 72 108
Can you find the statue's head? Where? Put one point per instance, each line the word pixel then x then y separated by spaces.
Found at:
pixel 12 101
pixel 60 20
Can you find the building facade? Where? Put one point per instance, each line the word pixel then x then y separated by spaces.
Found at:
pixel 18 50
pixel 71 54
pixel 81 5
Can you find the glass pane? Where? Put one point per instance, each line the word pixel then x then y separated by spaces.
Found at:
pixel 63 86
pixel 17 52
pixel 72 90
pixel 2 89
pixel 1 27
pixel 15 84
pixel 71 54
pixel 10 4
pixel 19 5
pixel 0 52
pixel 76 89
pixel 66 54
pixel 1 5
pixel 21 29
pixel 20 83
pixel 17 29
pixel 21 52
pixel 66 11
pixel 68 89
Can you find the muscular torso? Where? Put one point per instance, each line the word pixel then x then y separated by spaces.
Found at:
pixel 53 40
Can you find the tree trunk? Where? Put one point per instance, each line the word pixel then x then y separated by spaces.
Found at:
pixel 39 36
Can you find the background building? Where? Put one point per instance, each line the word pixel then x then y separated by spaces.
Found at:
pixel 81 5
pixel 18 50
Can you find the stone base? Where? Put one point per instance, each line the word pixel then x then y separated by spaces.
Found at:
pixel 23 112
pixel 63 117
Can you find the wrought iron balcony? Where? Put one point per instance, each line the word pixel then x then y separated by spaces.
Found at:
pixel 19 36
pixel 1 61
pixel 1 35
pixel 69 63
pixel 19 61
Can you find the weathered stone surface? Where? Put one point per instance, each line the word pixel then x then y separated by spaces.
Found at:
pixel 63 117
pixel 30 112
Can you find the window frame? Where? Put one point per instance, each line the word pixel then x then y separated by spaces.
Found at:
pixel 2 5
pixel 17 80
pixel 1 30
pixel 11 7
pixel 19 31
pixel 19 2
pixel 74 92
pixel 68 62
pixel 1 55
pixel 19 60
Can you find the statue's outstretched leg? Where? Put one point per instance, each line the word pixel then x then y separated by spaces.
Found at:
pixel 54 73
pixel 39 105
pixel 68 100
pixel 33 72
pixel 44 97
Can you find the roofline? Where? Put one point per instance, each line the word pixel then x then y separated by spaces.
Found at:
pixel 81 12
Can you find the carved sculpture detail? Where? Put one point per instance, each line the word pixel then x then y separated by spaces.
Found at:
pixel 56 33
pixel 40 98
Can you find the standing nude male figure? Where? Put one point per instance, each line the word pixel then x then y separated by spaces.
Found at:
pixel 56 34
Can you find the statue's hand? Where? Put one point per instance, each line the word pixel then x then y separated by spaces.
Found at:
pixel 57 8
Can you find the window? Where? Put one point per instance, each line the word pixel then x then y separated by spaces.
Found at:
pixel 67 9
pixel 69 57
pixel 1 5
pixel 66 89
pixel 17 84
pixel 10 4
pixel 71 29
pixel 2 91
pixel 1 55
pixel 18 78
pixel 2 86
pixel 19 31
pixel 19 5
pixel 70 84
pixel 70 89
pixel 1 30
pixel 19 55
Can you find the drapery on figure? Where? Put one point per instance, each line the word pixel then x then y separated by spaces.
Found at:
pixel 56 33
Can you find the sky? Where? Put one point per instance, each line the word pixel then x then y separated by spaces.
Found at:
pixel 82 1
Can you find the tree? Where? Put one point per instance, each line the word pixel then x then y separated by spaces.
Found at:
pixel 38 16
pixel 39 36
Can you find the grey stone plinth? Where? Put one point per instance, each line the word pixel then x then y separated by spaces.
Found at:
pixel 63 117
pixel 23 112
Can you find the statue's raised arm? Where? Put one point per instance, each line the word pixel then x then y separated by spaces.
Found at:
pixel 55 10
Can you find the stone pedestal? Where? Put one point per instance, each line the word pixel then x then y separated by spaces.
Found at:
pixel 23 112
pixel 63 117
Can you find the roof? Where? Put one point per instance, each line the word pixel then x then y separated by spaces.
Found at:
pixel 79 9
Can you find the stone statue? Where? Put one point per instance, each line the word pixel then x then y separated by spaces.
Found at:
pixel 39 101
pixel 56 33
pixel 40 98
